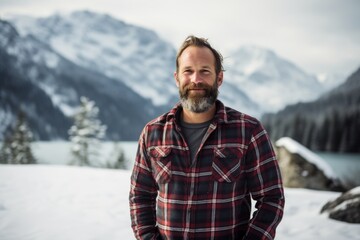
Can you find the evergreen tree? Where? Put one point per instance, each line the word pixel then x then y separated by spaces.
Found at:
pixel 16 148
pixel 308 131
pixel 335 131
pixel 5 153
pixel 117 158
pixel 86 134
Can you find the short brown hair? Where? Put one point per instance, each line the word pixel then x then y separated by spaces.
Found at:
pixel 200 42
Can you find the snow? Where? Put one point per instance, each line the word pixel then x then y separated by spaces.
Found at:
pixel 295 147
pixel 58 202
pixel 355 190
pixel 344 204
pixel 62 202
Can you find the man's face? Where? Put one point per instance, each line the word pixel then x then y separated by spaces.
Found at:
pixel 197 80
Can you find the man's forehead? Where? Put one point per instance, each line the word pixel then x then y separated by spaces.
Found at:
pixel 197 54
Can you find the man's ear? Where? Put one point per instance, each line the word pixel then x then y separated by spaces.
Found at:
pixel 176 79
pixel 220 78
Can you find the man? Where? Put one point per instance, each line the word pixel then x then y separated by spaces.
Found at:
pixel 198 166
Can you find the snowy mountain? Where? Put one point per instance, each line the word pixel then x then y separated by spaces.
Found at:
pixel 256 80
pixel 48 88
pixel 127 70
pixel 269 80
pixel 128 53
pixel 133 55
pixel 19 92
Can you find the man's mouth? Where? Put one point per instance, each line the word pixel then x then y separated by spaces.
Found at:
pixel 197 90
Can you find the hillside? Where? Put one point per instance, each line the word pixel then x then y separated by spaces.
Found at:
pixel 331 123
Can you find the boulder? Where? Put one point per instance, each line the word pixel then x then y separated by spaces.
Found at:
pixel 345 208
pixel 301 168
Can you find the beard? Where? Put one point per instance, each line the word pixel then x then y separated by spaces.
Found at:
pixel 198 102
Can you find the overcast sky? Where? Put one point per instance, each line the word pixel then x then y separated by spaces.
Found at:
pixel 320 36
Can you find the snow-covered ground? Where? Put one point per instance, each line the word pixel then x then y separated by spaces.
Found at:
pixel 45 202
pixel 53 201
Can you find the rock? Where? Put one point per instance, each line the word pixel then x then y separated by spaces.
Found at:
pixel 345 208
pixel 302 168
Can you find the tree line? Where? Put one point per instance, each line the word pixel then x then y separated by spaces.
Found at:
pixel 85 136
pixel 334 130
pixel 331 123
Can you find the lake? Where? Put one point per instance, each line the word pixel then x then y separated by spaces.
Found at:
pixel 346 166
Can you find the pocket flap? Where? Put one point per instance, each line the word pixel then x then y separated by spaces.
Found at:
pixel 161 163
pixel 227 164
pixel 159 151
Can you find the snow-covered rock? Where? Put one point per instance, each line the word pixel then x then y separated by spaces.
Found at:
pixel 345 208
pixel 302 168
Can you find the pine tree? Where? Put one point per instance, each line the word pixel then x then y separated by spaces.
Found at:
pixel 85 134
pixel 16 148
pixel 5 153
pixel 117 158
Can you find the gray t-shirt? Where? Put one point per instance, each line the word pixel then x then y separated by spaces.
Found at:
pixel 194 133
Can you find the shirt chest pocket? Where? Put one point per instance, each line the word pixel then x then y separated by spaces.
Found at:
pixel 226 166
pixel 161 163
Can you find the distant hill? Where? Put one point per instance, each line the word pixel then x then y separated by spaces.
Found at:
pixel 331 123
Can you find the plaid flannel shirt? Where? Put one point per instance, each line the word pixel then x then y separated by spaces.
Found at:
pixel 172 197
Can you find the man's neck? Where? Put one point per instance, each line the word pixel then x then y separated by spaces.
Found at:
pixel 192 117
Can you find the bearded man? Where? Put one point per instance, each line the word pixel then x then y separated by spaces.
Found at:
pixel 199 166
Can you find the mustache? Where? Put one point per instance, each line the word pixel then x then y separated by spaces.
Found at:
pixel 200 85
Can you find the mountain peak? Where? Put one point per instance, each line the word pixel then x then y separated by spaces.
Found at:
pixel 256 52
pixel 7 33
pixel 271 79
pixel 250 58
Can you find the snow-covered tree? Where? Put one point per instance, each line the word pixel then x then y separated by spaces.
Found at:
pixel 16 148
pixel 117 158
pixel 86 134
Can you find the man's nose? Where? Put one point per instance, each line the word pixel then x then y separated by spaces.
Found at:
pixel 196 77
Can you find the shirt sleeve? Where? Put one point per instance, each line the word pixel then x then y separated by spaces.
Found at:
pixel 142 197
pixel 265 185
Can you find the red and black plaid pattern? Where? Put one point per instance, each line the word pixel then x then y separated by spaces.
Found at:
pixel 172 197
